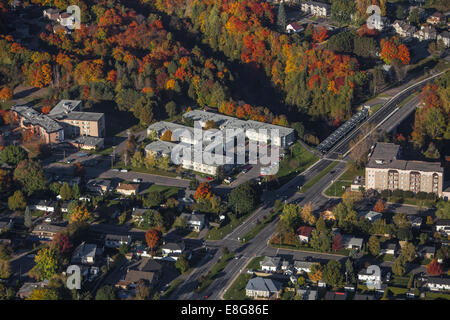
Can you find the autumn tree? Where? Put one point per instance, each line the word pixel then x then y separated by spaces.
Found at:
pixel 434 268
pixel 307 214
pixel 80 214
pixel 379 206
pixel 5 94
pixel 204 191
pixel 47 264
pixel 12 155
pixel 166 136
pixel 152 238
pixel 61 243
pixel 337 242
pixel 320 34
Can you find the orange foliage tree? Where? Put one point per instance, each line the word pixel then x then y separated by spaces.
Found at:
pixel 5 94
pixel 204 191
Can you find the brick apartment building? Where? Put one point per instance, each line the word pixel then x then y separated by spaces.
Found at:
pixel 65 120
pixel 385 171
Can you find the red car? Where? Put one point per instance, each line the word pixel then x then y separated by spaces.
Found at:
pixel 209 178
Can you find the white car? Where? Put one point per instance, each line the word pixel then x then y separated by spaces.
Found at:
pixel 124 170
pixel 137 180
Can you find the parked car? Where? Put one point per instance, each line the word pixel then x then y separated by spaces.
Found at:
pixel 116 170
pixel 124 170
pixel 209 178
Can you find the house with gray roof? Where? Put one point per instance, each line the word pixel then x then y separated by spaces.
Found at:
pixel 86 253
pixel 263 288
pixel 66 107
pixel 195 221
pixel 270 264
pixel 303 266
pixel 351 242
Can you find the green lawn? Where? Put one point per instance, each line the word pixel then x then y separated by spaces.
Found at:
pixel 219 233
pixel 254 264
pixel 215 270
pixel 345 180
pixel 314 180
pixel 167 192
pixel 173 285
pixel 259 227
pixel 437 296
pixel 296 163
pixel 155 171
pixel 237 289
pixel 413 201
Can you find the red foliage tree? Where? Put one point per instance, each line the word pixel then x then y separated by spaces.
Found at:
pixel 337 243
pixel 204 191
pixel 434 268
pixel 320 34
pixel 61 243
pixel 379 206
pixel 152 238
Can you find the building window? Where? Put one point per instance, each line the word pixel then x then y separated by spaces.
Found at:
pixel 435 183
pixel 414 182
pixel 392 179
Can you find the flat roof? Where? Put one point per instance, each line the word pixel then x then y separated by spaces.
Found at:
pixel 65 106
pixel 160 146
pixel 82 116
pixel 227 122
pixel 31 116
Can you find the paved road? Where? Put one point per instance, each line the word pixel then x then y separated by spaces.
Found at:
pixel 258 245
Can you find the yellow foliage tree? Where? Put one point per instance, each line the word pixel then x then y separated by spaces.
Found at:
pixel 80 214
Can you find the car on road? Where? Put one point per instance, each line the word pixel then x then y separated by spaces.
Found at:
pixel 124 170
pixel 69 161
pixel 116 170
pixel 228 180
pixel 137 180
pixel 209 178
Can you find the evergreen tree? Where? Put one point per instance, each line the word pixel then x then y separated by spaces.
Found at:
pixel 27 218
pixel 350 272
pixel 281 20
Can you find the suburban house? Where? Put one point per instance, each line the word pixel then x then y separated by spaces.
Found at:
pixel 373 215
pixel 404 29
pixel 304 233
pixel 262 288
pixel 416 222
pixel 436 18
pixel 302 266
pixel 443 226
pixel 86 253
pixel 46 232
pixel 426 33
pixel 308 294
pixel 66 20
pixel 318 9
pixel 294 28
pixel 270 264
pixel 372 277
pixel 100 186
pixel 28 287
pixel 438 283
pixel 351 242
pixel 389 247
pixel 127 189
pixel 385 171
pixel 51 14
pixel 444 37
pixel 173 250
pixel 115 240
pixel 147 269
pixel 195 221
pixel 427 252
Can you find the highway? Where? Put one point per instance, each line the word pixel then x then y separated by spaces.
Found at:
pixel 383 119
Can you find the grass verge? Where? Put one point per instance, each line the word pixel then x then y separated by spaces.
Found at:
pixel 314 180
